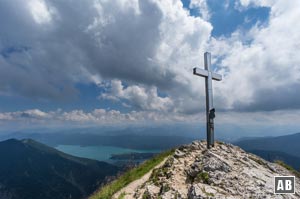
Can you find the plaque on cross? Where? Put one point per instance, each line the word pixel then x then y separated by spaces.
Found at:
pixel 210 110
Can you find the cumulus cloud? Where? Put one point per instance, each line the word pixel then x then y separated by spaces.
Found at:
pixel 149 43
pixel 141 53
pixel 139 97
pixel 262 66
pixel 96 117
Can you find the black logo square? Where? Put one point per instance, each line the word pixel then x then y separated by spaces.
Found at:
pixel 284 184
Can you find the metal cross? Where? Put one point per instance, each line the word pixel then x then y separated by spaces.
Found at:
pixel 210 111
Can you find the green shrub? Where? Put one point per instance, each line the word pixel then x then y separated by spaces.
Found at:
pixel 202 177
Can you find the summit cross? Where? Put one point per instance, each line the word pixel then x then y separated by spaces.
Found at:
pixel 210 110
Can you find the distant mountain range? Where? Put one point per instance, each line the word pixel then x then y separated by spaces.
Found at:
pixel 285 148
pixel 272 156
pixel 31 170
pixel 131 141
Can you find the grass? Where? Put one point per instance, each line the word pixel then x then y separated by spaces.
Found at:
pixel 288 167
pixel 122 195
pixel 109 190
pixel 257 160
pixel 202 177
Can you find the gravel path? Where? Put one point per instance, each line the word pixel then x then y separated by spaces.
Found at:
pixel 129 190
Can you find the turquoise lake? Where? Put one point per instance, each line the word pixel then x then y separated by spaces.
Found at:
pixel 101 153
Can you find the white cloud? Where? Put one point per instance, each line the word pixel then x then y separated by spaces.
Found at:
pixel 246 3
pixel 203 8
pixel 139 97
pixel 97 116
pixel 33 114
pixel 40 11
pixel 151 44
pixel 33 118
pixel 262 66
pixel 144 48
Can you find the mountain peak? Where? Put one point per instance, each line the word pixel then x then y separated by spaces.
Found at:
pixel 28 140
pixel 225 171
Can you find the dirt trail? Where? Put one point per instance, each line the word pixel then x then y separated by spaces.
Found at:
pixel 129 190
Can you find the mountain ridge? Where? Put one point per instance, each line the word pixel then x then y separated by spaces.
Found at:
pixel 273 156
pixel 284 143
pixel 32 170
pixel 225 171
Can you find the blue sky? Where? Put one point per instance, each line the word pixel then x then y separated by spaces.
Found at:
pixel 226 19
pixel 128 62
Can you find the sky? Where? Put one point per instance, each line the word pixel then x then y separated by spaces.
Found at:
pixel 121 62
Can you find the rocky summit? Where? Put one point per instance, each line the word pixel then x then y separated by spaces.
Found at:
pixel 225 171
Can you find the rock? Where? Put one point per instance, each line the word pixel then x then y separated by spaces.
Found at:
pixel 212 163
pixel 169 162
pixel 194 169
pixel 245 158
pixel 152 189
pixel 179 154
pixel 271 167
pixel 151 192
pixel 195 192
pixel 168 195
pixel 225 171
pixel 195 145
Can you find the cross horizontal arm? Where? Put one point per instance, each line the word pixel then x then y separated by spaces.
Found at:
pixel 200 72
pixel 204 73
pixel 216 76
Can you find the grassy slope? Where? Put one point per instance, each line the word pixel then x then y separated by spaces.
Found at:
pixel 288 167
pixel 107 191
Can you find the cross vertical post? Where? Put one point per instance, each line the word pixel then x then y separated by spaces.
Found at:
pixel 210 111
pixel 209 101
